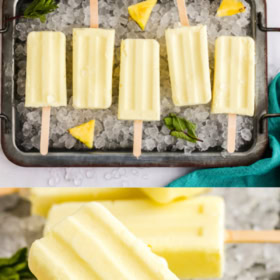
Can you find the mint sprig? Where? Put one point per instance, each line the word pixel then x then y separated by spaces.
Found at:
pixel 181 128
pixel 40 8
pixel 16 267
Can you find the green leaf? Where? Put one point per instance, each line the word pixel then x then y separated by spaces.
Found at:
pixel 21 266
pixel 8 273
pixel 182 135
pixel 19 256
pixel 40 8
pixel 15 267
pixel 168 121
pixel 26 275
pixel 191 127
pixel 179 124
pixel 181 128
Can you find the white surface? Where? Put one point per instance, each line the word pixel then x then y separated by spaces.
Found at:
pixel 14 176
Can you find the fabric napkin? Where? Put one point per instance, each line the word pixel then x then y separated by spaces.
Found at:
pixel 264 173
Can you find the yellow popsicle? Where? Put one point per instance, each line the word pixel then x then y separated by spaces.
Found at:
pixel 189 234
pixel 188 59
pixel 46 70
pixel 234 82
pixel 93 55
pixel 42 199
pixel 93 244
pixel 139 80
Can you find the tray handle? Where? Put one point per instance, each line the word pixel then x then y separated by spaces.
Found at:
pixel 264 28
pixel 264 117
pixel 5 26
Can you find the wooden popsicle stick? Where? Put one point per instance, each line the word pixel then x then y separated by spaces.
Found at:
pixel 137 146
pixel 94 14
pixel 231 133
pixel 45 131
pixel 252 236
pixel 7 191
pixel 183 14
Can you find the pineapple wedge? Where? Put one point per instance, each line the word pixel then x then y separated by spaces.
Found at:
pixel 141 12
pixel 230 7
pixel 84 133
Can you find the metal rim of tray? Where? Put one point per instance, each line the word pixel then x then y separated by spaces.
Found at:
pixel 126 159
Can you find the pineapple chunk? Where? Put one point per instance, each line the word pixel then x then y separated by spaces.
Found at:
pixel 230 7
pixel 84 133
pixel 141 12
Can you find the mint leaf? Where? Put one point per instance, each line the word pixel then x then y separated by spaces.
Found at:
pixel 181 128
pixel 169 123
pixel 182 135
pixel 191 127
pixel 178 123
pixel 15 267
pixel 39 9
pixel 17 257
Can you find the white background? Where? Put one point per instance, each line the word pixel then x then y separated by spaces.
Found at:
pixel 14 176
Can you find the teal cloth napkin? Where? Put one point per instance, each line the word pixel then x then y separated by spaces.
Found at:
pixel 264 173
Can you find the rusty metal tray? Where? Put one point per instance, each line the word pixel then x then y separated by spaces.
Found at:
pixel 65 158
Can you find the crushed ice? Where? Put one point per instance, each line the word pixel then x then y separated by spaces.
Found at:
pixel 112 134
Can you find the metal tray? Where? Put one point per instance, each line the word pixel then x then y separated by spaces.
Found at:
pixel 64 158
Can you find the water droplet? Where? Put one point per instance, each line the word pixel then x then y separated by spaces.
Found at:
pixel 51 181
pixel 108 176
pixel 89 174
pixel 124 184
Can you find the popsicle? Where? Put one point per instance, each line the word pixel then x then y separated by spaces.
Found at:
pixel 42 199
pixel 93 53
pixel 139 98
pixel 93 244
pixel 234 82
pixel 167 195
pixel 46 76
pixel 189 234
pixel 187 49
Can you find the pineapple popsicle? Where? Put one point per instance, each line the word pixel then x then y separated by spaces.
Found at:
pixel 46 70
pixel 139 80
pixel 188 59
pixel 93 55
pixel 189 234
pixel 46 77
pixel 93 244
pixel 234 82
pixel 139 97
pixel 42 199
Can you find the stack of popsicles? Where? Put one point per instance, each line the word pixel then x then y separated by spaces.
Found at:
pixel 188 233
